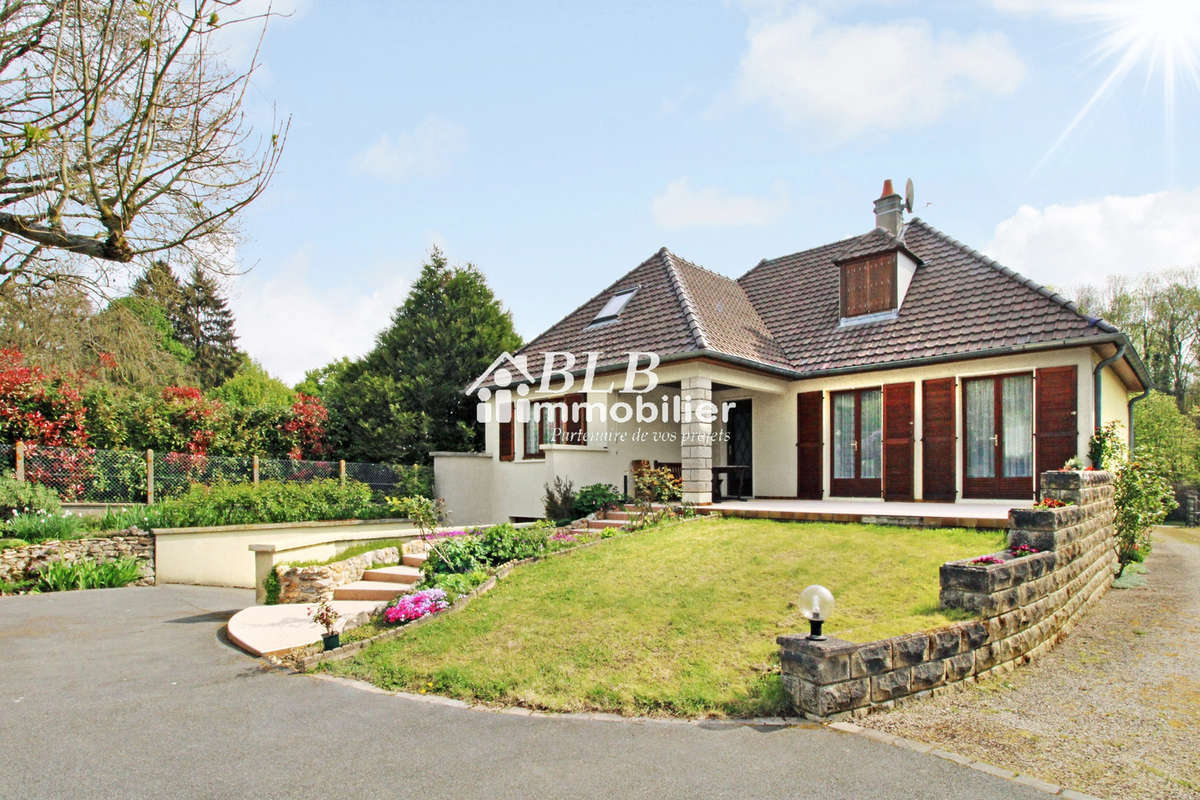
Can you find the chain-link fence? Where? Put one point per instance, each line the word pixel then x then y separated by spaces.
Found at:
pixel 128 476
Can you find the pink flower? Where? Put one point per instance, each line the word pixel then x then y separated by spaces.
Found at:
pixel 414 606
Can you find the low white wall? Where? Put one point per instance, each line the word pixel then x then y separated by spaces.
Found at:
pixel 220 555
pixel 465 482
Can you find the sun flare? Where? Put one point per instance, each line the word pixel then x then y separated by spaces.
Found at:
pixel 1161 35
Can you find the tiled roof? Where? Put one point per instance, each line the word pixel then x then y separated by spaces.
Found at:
pixel 959 303
pixel 784 313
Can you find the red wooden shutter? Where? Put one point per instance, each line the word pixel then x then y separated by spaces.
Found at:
pixel 1056 417
pixel 808 445
pixel 937 439
pixel 869 285
pixel 898 441
pixel 575 430
pixel 507 449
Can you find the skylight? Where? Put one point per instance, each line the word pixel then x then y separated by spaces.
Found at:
pixel 612 309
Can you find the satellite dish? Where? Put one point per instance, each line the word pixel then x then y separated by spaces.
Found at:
pixel 908 196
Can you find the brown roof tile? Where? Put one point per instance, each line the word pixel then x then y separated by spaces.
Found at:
pixel 784 313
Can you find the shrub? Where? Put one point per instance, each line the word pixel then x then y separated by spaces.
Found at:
pixel 271 587
pixel 1143 498
pixel 457 554
pixel 455 585
pixel 503 543
pixel 657 485
pixel 41 527
pixel 559 500
pixel 58 576
pixel 1106 448
pixel 248 504
pixel 597 497
pixel 23 497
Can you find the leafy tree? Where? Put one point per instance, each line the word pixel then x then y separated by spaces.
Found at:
pixel 124 135
pixel 128 345
pixel 318 382
pixel 1161 315
pixel 1173 437
pixel 206 328
pixel 39 406
pixel 1143 498
pixel 252 385
pixel 405 398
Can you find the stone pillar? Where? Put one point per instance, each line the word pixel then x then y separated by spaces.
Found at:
pixel 695 443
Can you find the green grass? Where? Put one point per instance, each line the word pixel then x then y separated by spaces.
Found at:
pixel 680 619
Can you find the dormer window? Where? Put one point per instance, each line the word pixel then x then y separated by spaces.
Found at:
pixel 612 309
pixel 869 285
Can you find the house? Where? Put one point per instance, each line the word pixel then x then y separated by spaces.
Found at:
pixel 899 365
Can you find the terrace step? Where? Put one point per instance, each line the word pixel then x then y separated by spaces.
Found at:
pixel 400 574
pixel 415 559
pixel 607 523
pixel 371 590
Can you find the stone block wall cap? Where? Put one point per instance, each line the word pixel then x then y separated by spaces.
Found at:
pixel 819 648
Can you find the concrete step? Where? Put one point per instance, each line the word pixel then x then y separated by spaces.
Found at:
pixel 607 523
pixel 625 515
pixel 415 559
pixel 370 590
pixel 400 574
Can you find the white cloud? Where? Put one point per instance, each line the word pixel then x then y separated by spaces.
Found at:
pixel 426 150
pixel 848 79
pixel 1069 245
pixel 291 326
pixel 682 205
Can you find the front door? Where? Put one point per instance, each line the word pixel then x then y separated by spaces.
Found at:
pixel 739 450
pixel 998 436
pixel 857 433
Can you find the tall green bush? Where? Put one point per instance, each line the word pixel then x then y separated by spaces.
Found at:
pixel 1143 497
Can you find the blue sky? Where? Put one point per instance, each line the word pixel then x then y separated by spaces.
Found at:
pixel 556 146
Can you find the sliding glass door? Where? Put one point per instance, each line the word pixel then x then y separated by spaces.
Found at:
pixel 857 435
pixel 998 440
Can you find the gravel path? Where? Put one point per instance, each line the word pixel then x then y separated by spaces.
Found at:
pixel 1114 710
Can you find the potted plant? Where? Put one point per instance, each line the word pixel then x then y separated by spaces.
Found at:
pixel 326 616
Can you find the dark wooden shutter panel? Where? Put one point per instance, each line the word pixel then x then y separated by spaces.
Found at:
pixel 937 439
pixel 898 441
pixel 1056 417
pixel 575 429
pixel 808 445
pixel 507 448
pixel 869 285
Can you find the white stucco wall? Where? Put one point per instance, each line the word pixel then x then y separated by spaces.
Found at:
pixel 490 490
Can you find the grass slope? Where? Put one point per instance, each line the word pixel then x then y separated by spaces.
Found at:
pixel 681 619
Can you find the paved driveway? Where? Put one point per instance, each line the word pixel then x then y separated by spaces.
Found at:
pixel 133 693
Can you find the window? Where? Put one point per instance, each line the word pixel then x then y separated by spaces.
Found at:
pixel 612 309
pixel 869 285
pixel 539 430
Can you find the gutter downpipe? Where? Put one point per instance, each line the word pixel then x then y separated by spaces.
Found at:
pixel 1132 439
pixel 1096 376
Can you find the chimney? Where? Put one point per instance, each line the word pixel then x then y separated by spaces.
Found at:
pixel 889 210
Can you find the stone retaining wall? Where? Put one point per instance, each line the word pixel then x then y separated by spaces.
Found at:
pixel 25 563
pixel 314 584
pixel 1026 605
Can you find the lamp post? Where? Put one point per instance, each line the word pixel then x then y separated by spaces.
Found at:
pixel 816 604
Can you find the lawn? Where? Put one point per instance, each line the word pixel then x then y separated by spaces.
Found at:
pixel 680 619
